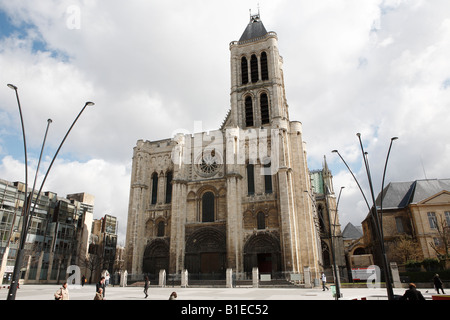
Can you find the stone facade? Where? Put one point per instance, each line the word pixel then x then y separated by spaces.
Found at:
pixel 419 210
pixel 232 198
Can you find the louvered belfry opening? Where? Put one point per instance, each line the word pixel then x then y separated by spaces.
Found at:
pixel 249 111
pixel 265 118
pixel 254 68
pixel 244 70
pixel 264 67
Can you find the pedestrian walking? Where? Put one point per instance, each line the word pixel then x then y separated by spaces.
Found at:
pixel 101 284
pixel 324 282
pixel 99 294
pixel 62 293
pixel 438 283
pixel 146 285
pixel 83 280
pixel 412 293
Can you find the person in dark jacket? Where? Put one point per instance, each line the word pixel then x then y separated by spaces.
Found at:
pixel 412 293
pixel 101 284
pixel 438 283
pixel 146 285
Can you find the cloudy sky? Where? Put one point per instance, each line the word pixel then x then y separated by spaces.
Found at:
pixel 377 67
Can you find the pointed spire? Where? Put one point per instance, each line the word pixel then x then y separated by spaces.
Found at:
pixel 255 28
pixel 325 165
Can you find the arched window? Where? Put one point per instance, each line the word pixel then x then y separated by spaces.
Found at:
pixel 264 101
pixel 264 68
pixel 267 178
pixel 248 112
pixel 250 179
pixel 161 229
pixel 261 221
pixel 254 68
pixel 244 70
pixel 169 177
pixel 154 187
pixel 321 219
pixel 208 207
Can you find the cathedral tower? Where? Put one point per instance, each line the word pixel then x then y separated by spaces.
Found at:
pixel 234 198
pixel 257 85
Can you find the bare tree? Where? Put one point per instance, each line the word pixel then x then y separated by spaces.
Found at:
pixel 442 246
pixel 93 263
pixel 406 249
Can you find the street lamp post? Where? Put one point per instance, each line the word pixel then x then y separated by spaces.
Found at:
pixel 333 244
pixel 374 211
pixel 28 198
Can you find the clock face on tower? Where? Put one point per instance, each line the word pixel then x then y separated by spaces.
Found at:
pixel 208 163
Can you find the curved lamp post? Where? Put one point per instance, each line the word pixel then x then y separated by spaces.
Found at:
pixel 382 182
pixel 374 211
pixel 29 198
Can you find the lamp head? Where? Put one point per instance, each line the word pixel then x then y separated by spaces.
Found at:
pixel 394 138
pixel 89 103
pixel 358 134
pixel 334 151
pixel 12 86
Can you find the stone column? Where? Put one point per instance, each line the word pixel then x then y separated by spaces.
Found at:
pixel 395 275
pixel 178 221
pixel 255 277
pixel 234 208
pixel 307 277
pixel 234 225
pixel 229 278
pixel 184 279
pixel 162 278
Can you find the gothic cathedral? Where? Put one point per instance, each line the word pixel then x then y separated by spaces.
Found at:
pixel 238 197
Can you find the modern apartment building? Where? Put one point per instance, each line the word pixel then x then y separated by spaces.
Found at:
pixel 58 234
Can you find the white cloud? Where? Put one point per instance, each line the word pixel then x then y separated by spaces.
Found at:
pixel 376 67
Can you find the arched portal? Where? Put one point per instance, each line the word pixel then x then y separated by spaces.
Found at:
pixel 263 251
pixel 156 257
pixel 206 252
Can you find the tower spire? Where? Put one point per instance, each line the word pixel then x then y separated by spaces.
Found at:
pixel 255 17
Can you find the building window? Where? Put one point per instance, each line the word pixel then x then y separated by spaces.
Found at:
pixel 154 187
pixel 264 68
pixel 264 101
pixel 267 178
pixel 244 70
pixel 399 223
pixel 261 221
pixel 208 207
pixel 432 220
pixel 447 218
pixel 169 178
pixel 248 111
pixel 254 68
pixel 251 179
pixel 161 229
pixel 437 242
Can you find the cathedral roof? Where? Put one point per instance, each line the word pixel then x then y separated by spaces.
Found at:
pixel 255 29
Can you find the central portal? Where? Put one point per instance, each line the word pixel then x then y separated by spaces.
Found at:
pixel 262 251
pixel 210 263
pixel 206 253
pixel 265 262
